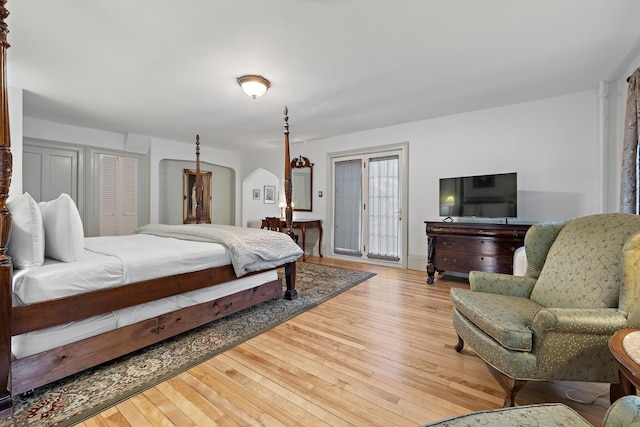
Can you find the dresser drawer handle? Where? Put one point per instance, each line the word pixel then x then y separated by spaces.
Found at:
pixel 448 245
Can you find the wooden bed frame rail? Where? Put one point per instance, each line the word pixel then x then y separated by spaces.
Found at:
pixel 42 368
pixel 36 316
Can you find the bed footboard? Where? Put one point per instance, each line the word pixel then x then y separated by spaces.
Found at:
pixel 42 368
pixel 60 362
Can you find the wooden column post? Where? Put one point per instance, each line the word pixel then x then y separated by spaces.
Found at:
pixel 199 186
pixel 6 403
pixel 287 177
pixel 290 269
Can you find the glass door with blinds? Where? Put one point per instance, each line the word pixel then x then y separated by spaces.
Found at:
pixel 367 215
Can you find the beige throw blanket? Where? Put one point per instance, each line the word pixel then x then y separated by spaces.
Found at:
pixel 251 249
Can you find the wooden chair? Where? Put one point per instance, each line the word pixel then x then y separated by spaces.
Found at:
pixel 274 223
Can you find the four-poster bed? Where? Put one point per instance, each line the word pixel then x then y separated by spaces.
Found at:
pixel 213 289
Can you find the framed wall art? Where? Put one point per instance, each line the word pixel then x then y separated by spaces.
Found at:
pixel 270 194
pixel 256 194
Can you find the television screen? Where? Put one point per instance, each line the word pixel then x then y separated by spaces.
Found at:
pixel 483 196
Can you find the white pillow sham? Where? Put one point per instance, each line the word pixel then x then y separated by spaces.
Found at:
pixel 26 239
pixel 63 231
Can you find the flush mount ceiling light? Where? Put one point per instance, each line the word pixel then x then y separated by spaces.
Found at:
pixel 253 85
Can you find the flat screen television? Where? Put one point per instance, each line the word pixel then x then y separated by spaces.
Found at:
pixel 482 196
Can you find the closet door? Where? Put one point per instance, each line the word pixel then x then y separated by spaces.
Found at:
pixel 50 169
pixel 50 172
pixel 118 195
pixel 128 213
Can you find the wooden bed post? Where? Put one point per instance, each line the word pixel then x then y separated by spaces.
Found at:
pixel 6 403
pixel 199 186
pixel 289 269
pixel 287 177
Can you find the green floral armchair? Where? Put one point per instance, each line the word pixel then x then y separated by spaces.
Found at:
pixel 582 284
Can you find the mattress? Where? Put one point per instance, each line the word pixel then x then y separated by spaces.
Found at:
pixel 151 257
pixel 141 257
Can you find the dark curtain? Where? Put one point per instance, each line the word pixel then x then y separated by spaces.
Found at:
pixel 630 158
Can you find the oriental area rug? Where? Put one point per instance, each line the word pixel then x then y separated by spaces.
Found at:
pixel 83 395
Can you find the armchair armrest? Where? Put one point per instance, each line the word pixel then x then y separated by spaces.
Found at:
pixel 588 321
pixel 503 284
pixel 630 290
pixel 623 412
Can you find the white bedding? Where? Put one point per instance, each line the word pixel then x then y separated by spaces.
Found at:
pixel 140 257
pixel 251 249
pixel 146 257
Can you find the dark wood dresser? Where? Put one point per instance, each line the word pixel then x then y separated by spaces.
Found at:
pixel 466 246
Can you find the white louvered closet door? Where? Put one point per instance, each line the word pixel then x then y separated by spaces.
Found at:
pixel 118 195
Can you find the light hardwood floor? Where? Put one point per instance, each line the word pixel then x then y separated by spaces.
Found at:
pixel 380 354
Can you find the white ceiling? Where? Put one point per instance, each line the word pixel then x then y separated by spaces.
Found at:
pixel 168 69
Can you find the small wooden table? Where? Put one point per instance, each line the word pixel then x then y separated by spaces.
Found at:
pixel 625 348
pixel 302 225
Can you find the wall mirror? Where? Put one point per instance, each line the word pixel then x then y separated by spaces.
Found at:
pixel 189 197
pixel 301 184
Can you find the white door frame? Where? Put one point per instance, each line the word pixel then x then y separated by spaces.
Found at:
pixel 403 148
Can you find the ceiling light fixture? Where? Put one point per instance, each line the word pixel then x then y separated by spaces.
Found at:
pixel 253 85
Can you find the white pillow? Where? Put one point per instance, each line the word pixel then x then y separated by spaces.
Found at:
pixel 63 232
pixel 26 239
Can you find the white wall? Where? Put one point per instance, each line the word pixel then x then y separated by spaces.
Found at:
pixel 164 149
pixel 52 131
pixel 255 210
pixel 157 149
pixel 552 144
pixel 171 183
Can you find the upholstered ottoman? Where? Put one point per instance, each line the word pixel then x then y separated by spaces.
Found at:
pixel 625 412
pixel 546 414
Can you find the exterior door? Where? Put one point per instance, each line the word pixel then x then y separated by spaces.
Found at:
pixel 367 214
